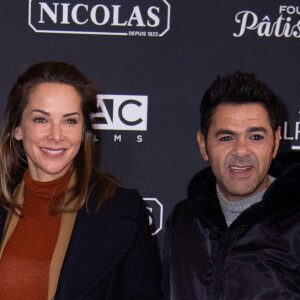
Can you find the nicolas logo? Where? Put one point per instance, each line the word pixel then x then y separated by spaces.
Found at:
pixel 102 17
pixel 121 112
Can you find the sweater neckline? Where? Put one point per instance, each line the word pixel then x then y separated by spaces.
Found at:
pixel 39 196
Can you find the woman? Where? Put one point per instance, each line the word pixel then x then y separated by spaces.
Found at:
pixel 67 231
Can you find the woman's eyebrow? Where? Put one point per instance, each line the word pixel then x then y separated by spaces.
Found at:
pixel 41 111
pixel 71 114
pixel 48 114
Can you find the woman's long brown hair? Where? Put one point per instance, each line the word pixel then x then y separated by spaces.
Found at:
pixel 13 160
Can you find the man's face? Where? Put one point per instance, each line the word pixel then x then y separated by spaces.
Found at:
pixel 240 147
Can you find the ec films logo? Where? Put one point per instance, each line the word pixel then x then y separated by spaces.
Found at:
pixel 102 17
pixel 121 112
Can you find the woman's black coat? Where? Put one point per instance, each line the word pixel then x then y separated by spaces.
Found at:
pixel 111 254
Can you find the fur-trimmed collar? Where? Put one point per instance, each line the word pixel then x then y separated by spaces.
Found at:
pixel 282 197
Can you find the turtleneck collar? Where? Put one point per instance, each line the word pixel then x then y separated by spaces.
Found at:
pixel 39 195
pixel 232 209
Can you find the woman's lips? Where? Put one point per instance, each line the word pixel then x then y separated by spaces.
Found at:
pixel 52 152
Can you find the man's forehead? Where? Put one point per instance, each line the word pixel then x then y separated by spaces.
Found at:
pixel 240 111
pixel 242 115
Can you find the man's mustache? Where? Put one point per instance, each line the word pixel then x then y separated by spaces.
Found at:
pixel 245 160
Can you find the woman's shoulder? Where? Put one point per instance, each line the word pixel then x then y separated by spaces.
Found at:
pixel 126 194
pixel 127 202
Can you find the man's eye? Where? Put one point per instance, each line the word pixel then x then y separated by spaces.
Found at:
pixel 256 137
pixel 39 120
pixel 71 121
pixel 225 138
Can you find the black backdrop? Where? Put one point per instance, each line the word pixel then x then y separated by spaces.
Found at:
pixel 152 61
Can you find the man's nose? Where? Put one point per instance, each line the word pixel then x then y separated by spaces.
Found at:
pixel 240 148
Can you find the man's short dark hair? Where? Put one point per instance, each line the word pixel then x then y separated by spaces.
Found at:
pixel 238 88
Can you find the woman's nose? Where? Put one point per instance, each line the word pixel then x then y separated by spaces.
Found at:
pixel 56 133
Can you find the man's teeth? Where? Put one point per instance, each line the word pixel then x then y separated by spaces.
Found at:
pixel 240 168
pixel 52 151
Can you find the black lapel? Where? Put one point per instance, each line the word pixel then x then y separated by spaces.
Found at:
pixel 98 243
pixel 3 215
pixel 203 200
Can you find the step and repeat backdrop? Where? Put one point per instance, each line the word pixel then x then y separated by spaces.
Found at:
pixel 152 61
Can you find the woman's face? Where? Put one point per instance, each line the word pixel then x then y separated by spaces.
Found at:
pixel 51 130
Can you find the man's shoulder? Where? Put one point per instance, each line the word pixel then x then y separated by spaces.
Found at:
pixel 203 182
pixel 285 161
pixel 200 190
pixel 180 215
pixel 289 179
pixel 283 193
pixel 179 209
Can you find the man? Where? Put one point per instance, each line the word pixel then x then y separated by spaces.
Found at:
pixel 237 236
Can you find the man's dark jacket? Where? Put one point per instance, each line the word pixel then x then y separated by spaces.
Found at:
pixel 257 257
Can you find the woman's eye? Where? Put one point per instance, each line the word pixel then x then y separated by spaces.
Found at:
pixel 39 120
pixel 71 121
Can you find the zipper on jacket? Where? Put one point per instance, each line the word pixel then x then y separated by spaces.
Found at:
pixel 220 269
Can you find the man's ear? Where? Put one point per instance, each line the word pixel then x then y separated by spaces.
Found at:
pixel 276 141
pixel 202 145
pixel 18 134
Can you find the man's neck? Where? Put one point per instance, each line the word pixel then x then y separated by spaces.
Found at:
pixel 231 210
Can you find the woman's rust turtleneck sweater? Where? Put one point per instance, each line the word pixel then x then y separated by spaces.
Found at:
pixel 25 262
